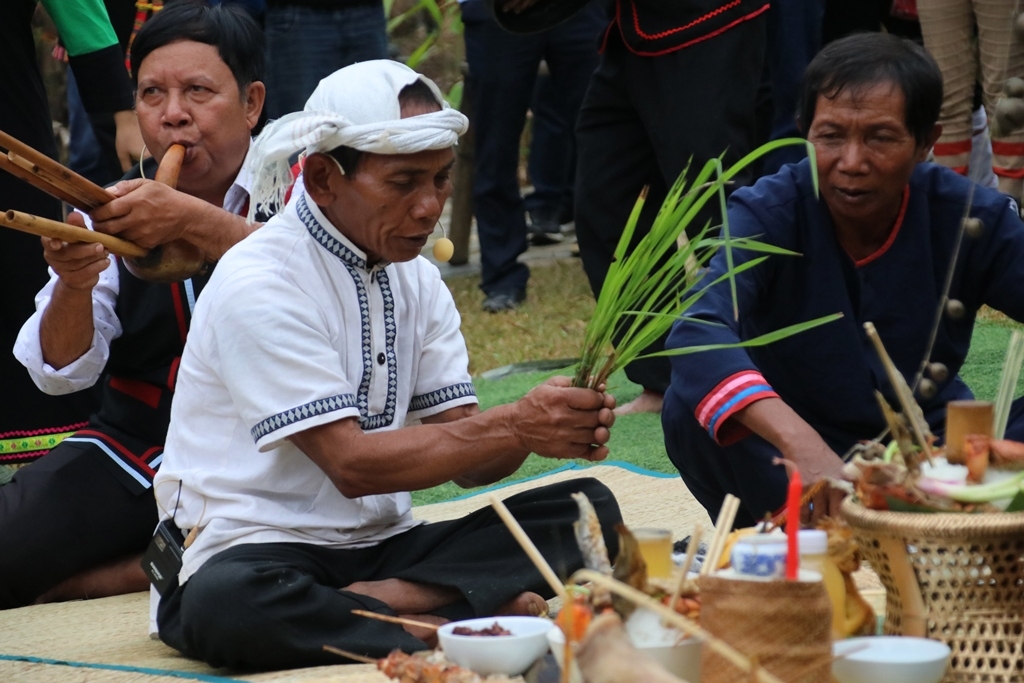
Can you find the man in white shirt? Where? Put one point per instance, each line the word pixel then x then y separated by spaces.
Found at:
pixel 326 377
pixel 74 523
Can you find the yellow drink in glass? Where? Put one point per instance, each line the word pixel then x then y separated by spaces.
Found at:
pixel 656 549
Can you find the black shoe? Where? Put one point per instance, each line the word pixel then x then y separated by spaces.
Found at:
pixel 544 228
pixel 504 301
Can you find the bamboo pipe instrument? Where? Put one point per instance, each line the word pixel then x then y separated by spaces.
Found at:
pixel 172 262
pixel 175 260
pixel 44 227
pixel 96 195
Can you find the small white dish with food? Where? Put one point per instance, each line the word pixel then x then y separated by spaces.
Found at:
pixel 510 654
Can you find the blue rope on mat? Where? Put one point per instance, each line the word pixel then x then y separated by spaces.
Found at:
pixel 570 466
pixel 117 667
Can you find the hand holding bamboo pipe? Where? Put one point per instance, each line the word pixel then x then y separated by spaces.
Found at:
pixel 171 262
pixel 175 260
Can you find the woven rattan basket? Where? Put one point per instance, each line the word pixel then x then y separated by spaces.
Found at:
pixel 958 578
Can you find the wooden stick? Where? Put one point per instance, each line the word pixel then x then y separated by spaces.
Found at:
pixel 44 227
pixel 691 552
pixel 394 620
pixel 734 656
pixel 55 183
pixel 899 385
pixel 531 550
pixel 84 185
pixel 734 507
pixel 723 527
pixel 35 181
pixel 350 655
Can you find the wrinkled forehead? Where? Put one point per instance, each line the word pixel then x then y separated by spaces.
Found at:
pixel 184 59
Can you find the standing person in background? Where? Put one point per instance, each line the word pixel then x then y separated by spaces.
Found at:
pixel 310 39
pixel 551 166
pixel 503 67
pixel 676 84
pixel 31 422
pixel 948 30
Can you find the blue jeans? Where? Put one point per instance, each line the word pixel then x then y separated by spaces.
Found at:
pixel 305 45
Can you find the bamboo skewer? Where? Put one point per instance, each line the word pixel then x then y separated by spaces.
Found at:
pixel 734 656
pixel 723 527
pixel 44 227
pixel 349 655
pixel 691 552
pixel 531 550
pixel 395 620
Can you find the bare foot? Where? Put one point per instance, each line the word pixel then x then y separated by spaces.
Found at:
pixel 114 578
pixel 526 604
pixel 647 402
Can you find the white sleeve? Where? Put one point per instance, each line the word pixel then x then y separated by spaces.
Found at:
pixel 87 369
pixel 443 379
pixel 273 347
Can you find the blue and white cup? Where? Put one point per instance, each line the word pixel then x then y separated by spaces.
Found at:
pixel 761 556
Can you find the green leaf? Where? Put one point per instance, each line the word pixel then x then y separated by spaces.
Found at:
pixel 1017 504
pixel 421 52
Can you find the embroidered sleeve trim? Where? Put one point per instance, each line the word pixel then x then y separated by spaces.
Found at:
pixel 303 412
pixel 655 36
pixel 436 398
pixel 731 395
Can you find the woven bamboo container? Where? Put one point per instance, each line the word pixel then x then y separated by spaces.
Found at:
pixel 954 577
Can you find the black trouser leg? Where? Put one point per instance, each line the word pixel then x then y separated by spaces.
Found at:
pixel 63 514
pixel 275 605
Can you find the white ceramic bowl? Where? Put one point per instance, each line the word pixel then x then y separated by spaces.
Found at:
pixel 682 660
pixel 890 658
pixel 508 655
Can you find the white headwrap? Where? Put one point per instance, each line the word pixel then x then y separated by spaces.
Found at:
pixel 356 107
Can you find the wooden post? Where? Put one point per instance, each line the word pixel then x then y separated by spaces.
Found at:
pixel 462 184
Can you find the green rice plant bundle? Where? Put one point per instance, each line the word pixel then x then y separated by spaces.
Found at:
pixel 651 286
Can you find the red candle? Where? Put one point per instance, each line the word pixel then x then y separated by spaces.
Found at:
pixel 793 525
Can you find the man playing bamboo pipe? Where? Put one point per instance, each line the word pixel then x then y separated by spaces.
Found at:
pixel 876 245
pixel 319 343
pixel 73 524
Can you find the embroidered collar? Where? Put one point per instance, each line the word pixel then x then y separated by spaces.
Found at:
pixel 330 238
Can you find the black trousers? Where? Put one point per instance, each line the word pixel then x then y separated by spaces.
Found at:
pixel 642 120
pixel 63 514
pixel 275 605
pixel 503 68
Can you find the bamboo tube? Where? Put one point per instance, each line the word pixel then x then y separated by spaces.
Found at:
pixel 963 418
pixel 84 185
pixel 531 550
pixel 55 183
pixel 394 620
pixel 35 181
pixel 44 227
pixel 734 656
